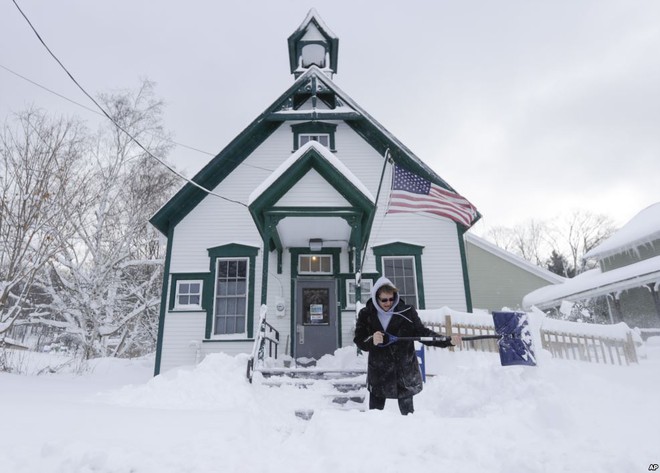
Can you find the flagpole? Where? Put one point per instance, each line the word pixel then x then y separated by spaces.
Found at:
pixel 358 274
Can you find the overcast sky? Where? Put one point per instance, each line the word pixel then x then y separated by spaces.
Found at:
pixel 530 109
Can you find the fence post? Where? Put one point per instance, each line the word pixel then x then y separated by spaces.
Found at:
pixel 632 351
pixel 448 328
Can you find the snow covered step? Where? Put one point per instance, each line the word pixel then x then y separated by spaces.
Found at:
pixel 341 385
pixel 310 373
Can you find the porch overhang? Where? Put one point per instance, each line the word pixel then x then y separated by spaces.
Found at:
pixel 293 226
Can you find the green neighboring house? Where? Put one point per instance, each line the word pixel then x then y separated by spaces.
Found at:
pixel 296 209
pixel 499 279
pixel 627 278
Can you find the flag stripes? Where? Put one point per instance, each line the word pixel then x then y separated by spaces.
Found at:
pixel 413 193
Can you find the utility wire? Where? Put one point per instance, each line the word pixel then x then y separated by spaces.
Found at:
pixel 192 148
pixel 170 168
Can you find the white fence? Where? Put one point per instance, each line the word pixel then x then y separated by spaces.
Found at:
pixel 608 344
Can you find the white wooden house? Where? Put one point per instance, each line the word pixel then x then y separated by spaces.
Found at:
pixel 627 277
pixel 288 213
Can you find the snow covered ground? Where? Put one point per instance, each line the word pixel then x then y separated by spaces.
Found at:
pixel 473 416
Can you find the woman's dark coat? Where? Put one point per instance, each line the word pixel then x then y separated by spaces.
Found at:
pixel 393 371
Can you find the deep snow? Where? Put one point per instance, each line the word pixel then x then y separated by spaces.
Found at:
pixel 473 416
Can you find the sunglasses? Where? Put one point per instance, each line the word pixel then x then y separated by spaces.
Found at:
pixel 386 299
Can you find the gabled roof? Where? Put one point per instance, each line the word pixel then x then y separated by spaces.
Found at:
pixel 642 228
pixel 315 84
pixel 312 156
pixel 595 283
pixel 296 157
pixel 514 259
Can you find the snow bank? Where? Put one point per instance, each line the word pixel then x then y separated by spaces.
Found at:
pixel 473 415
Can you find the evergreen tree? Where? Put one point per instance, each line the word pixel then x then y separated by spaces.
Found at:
pixel 558 264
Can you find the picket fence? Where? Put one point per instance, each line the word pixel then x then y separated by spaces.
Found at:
pixel 565 345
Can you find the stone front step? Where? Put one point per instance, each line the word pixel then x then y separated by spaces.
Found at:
pixel 341 389
pixel 310 373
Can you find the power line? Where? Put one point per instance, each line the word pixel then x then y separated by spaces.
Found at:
pixel 170 168
pixel 192 148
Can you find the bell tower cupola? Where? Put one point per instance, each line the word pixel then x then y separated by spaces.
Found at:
pixel 313 44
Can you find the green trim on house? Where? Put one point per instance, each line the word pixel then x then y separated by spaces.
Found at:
pixel 466 278
pixel 404 249
pixel 264 125
pixel 163 302
pixel 295 252
pixel 343 294
pixel 175 277
pixel 314 128
pixel 232 250
pixel 266 216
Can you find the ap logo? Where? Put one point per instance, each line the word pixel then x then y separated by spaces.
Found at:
pixel 653 467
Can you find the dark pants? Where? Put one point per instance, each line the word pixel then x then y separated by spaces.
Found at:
pixel 405 404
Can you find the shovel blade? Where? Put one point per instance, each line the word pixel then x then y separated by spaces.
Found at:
pixel 515 341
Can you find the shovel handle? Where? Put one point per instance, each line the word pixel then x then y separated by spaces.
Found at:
pixel 393 338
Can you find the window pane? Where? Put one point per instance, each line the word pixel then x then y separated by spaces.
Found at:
pixel 220 325
pixel 241 287
pixel 242 269
pixel 231 325
pixel 222 269
pixel 231 296
pixel 193 300
pixel 183 300
pixel 195 288
pixel 231 288
pixel 325 265
pixel 401 271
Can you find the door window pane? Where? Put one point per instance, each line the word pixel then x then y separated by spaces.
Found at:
pixel 315 264
pixel 316 304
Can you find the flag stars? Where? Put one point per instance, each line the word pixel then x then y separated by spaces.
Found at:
pixel 407 181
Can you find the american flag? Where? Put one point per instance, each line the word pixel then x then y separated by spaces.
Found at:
pixel 413 193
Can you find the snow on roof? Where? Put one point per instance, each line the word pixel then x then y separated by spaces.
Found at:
pixel 514 259
pixel 642 228
pixel 326 154
pixel 313 14
pixel 595 283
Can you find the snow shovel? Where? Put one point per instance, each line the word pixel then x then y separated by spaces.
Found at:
pixel 514 338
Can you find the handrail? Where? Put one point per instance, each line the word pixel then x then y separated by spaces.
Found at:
pixel 272 337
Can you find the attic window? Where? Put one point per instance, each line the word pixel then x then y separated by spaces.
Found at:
pixel 321 138
pixel 323 133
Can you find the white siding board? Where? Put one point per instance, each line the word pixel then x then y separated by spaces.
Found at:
pixel 215 222
pixel 312 190
pixel 181 328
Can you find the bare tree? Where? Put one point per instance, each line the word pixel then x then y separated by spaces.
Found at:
pixel 111 268
pixel 529 240
pixel 39 160
pixel 546 243
pixel 581 232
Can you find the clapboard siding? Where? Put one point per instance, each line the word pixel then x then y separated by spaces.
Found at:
pixel 312 190
pixel 496 283
pixel 214 222
pixel 180 331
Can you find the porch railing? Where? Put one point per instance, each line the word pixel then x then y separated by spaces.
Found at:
pixel 266 335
